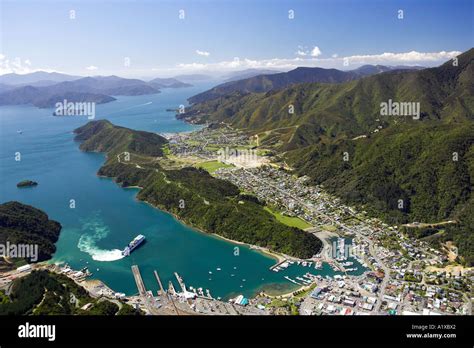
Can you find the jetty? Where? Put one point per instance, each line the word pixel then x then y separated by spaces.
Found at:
pixel 139 281
pixel 163 293
pixel 278 265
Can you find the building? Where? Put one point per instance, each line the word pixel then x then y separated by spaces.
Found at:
pixel 24 268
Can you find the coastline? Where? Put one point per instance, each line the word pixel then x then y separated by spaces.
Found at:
pixel 277 257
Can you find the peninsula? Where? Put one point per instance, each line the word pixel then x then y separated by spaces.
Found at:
pixel 137 158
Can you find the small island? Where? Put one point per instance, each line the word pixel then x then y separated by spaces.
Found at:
pixel 27 183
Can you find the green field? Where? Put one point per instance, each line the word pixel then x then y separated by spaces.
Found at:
pixel 212 166
pixel 288 220
pixel 330 228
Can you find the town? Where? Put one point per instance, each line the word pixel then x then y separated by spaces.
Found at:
pixel 404 275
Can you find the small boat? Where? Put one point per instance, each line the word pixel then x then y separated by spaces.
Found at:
pixel 219 269
pixel 210 272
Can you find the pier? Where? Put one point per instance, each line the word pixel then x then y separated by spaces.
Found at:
pixel 162 290
pixel 180 282
pixel 139 281
pixel 278 264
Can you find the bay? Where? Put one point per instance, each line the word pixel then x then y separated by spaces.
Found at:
pixel 106 217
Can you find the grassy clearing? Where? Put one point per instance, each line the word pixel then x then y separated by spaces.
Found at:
pixel 330 228
pixel 212 166
pixel 289 220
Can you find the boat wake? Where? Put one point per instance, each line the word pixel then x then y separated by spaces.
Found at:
pixel 95 231
pixel 130 107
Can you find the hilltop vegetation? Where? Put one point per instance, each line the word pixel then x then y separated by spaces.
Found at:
pixel 103 136
pixel 399 168
pixel 46 293
pixel 445 93
pixel 266 81
pixel 23 224
pixel 210 204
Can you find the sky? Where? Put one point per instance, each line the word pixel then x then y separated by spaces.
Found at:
pixel 165 38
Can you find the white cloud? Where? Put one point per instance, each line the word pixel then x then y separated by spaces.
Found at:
pixel 91 68
pixel 17 66
pixel 203 53
pixel 315 52
pixel 188 66
pixel 301 53
pixel 402 58
pixel 387 58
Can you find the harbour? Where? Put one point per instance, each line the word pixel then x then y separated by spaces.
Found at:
pixel 94 234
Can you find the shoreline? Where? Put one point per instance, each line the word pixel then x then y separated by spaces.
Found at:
pixel 265 251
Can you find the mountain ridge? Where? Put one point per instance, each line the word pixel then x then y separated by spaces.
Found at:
pixel 275 81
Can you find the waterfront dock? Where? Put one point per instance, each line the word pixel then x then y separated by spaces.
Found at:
pixel 162 290
pixel 139 281
pixel 278 264
pixel 180 282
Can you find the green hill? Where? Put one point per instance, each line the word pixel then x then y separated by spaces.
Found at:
pixel 103 136
pixel 349 109
pixel 46 293
pixel 23 224
pixel 265 82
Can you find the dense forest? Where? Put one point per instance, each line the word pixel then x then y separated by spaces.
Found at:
pixel 24 224
pixel 205 202
pixel 46 293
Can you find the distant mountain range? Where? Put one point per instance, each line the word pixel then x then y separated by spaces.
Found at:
pixel 193 77
pixel 427 163
pixel 36 78
pixel 38 97
pixel 248 73
pixel 275 81
pixel 44 90
pixel 168 83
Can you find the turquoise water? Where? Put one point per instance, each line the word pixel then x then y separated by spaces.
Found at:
pixel 106 217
